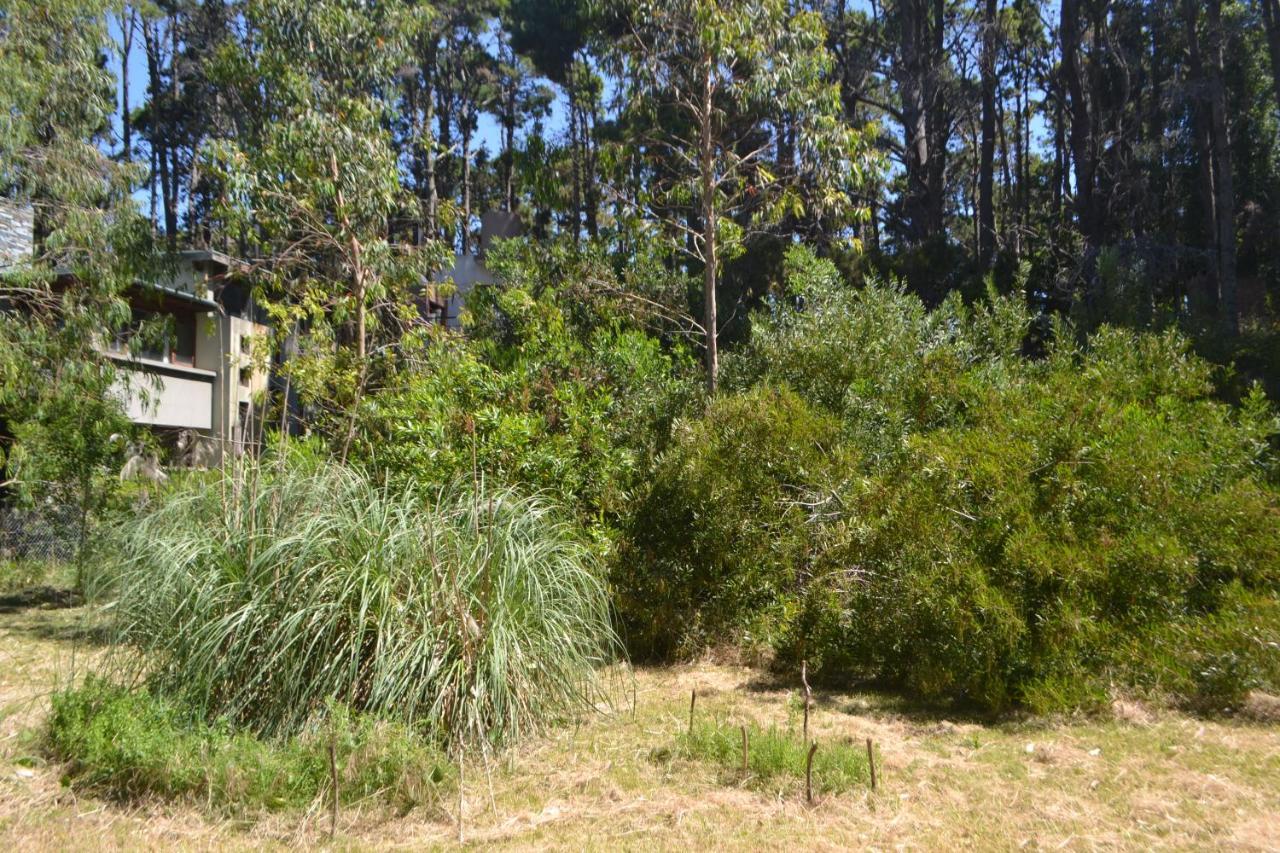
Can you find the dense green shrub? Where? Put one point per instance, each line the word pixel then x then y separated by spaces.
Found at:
pixel 1099 497
pixel 473 615
pixel 130 744
pixel 555 388
pixel 977 525
pixel 719 544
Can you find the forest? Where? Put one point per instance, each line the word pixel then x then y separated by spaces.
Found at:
pixel 926 347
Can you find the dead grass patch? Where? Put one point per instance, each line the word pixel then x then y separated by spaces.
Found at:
pixel 1138 780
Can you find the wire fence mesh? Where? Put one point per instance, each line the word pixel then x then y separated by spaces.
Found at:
pixel 39 534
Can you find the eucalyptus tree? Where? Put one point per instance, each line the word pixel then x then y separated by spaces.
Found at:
pixel 58 406
pixel 560 38
pixel 708 83
pixel 312 192
pixel 519 98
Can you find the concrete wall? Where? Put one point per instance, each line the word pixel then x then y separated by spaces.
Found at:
pixel 227 347
pixel 16 225
pixel 160 395
pixel 467 272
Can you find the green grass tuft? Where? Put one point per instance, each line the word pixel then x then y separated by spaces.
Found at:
pixel 775 758
pixel 132 744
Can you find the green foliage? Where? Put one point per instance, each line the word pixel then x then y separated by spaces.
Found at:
pixel 554 389
pixel 476 616
pixel 134 744
pixel 60 414
pixel 719 542
pixel 311 187
pixel 20 574
pixel 775 759
pixel 986 527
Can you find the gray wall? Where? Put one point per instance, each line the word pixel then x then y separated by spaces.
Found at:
pixel 15 233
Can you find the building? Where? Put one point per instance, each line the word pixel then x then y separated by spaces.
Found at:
pixel 468 271
pixel 201 389
pixel 205 387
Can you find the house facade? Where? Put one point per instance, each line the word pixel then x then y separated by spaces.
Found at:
pixel 202 388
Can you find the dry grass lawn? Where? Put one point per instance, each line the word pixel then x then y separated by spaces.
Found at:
pixel 1141 780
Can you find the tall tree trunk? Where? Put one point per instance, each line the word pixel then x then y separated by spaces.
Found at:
pixel 1271 20
pixel 175 152
pixel 914 96
pixel 160 140
pixel 1080 134
pixel 939 119
pixel 1200 125
pixel 128 26
pixel 706 164
pixel 151 188
pixel 575 153
pixel 592 199
pixel 465 228
pixel 1002 215
pixel 1224 185
pixel 509 120
pixel 1022 136
pixel 1059 158
pixel 986 188
pixel 428 121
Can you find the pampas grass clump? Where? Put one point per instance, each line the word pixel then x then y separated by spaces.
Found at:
pixel 473 614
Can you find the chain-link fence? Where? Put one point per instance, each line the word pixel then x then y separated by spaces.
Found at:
pixel 41 534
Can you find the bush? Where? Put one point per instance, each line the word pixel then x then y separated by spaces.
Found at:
pixel 720 544
pixel 472 615
pixel 553 388
pixel 930 508
pixel 135 744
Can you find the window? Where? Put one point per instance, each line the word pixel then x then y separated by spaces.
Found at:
pixel 184 339
pixel 155 336
pixel 142 337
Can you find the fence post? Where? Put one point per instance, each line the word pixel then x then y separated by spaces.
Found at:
pixel 808 773
pixel 871 763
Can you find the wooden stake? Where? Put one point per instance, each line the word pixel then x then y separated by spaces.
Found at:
pixel 871 763
pixel 333 777
pixel 808 696
pixel 808 773
pixel 461 802
pixel 693 698
pixel 744 750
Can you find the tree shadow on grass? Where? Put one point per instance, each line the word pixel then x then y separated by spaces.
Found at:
pixel 52 614
pixel 868 697
pixel 44 597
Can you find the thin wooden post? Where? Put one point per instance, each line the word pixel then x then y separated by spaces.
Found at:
pixel 808 773
pixel 808 696
pixel 693 699
pixel 744 750
pixel 461 801
pixel 333 777
pixel 871 763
